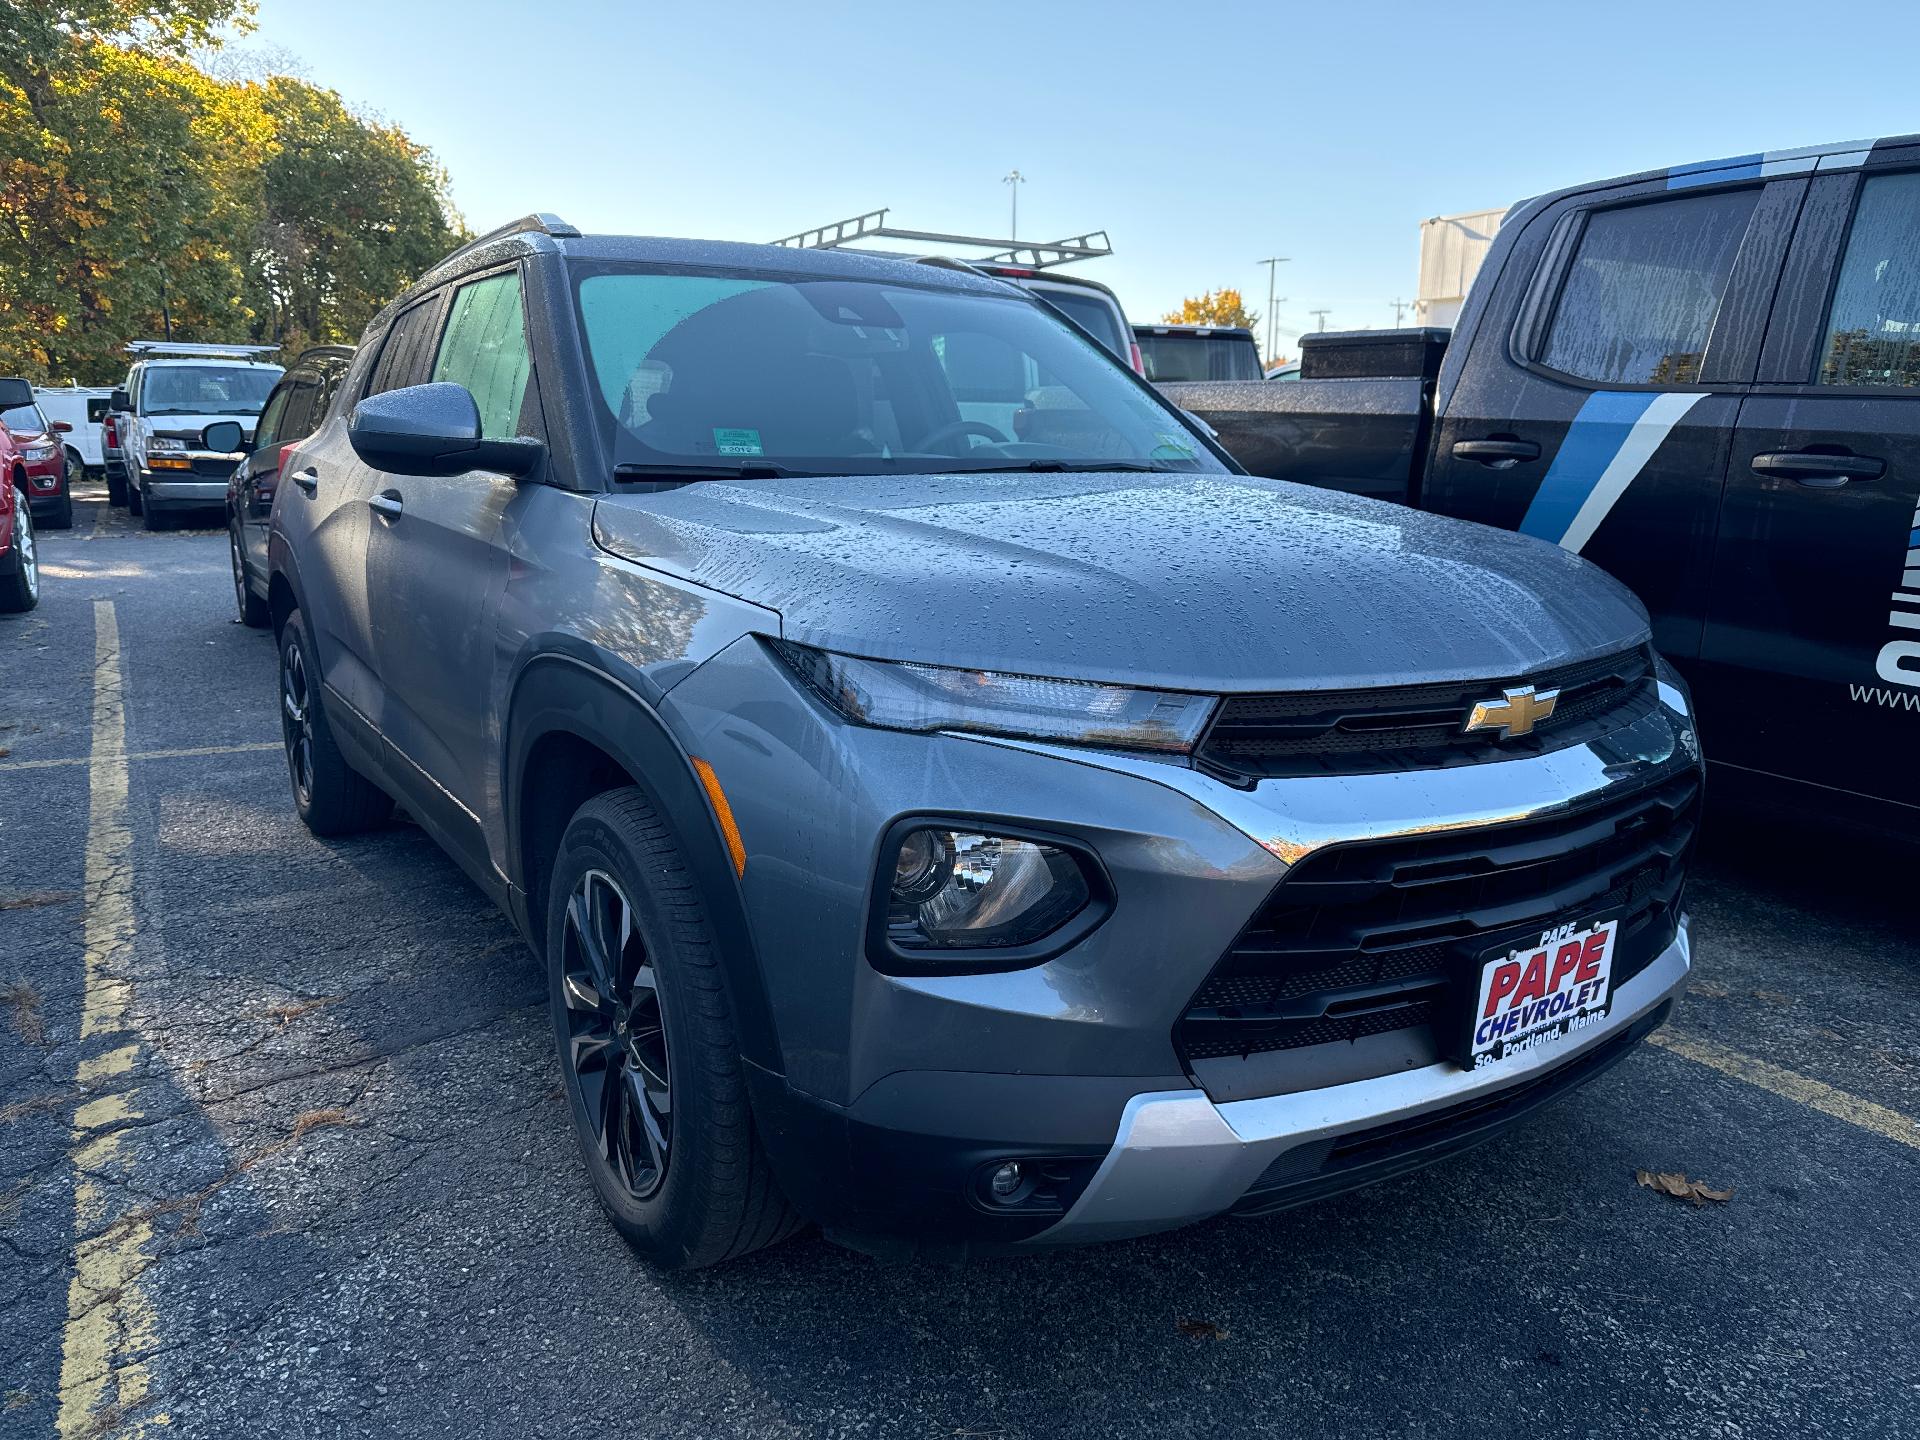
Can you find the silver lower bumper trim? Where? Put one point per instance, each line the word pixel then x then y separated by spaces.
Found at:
pixel 1178 1157
pixel 196 492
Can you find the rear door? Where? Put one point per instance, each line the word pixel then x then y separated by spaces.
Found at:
pixel 1813 644
pixel 1595 405
pixel 437 562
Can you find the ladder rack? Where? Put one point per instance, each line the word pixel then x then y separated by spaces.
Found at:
pixel 873 226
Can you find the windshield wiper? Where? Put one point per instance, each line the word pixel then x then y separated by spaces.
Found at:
pixel 1062 467
pixel 693 470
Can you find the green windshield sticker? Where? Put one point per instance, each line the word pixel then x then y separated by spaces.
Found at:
pixel 737 442
pixel 1178 445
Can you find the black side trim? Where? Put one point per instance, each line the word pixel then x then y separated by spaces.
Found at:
pixel 555 693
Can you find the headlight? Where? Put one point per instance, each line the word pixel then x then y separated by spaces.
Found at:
pixel 956 889
pixel 906 695
pixel 165 442
pixel 36 452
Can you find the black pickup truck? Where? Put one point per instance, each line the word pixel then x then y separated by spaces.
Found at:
pixel 1707 380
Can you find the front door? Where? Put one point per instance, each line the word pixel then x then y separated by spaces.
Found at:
pixel 438 563
pixel 1595 406
pixel 1814 638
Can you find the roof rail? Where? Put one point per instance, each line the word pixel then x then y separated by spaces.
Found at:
pixel 541 222
pixel 189 348
pixel 873 226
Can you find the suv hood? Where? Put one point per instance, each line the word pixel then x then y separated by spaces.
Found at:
pixel 1203 582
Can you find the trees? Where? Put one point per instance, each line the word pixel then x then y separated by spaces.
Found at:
pixel 136 191
pixel 351 212
pixel 1215 307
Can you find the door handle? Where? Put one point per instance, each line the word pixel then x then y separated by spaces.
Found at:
pixel 1816 471
pixel 1496 452
pixel 388 503
pixel 308 480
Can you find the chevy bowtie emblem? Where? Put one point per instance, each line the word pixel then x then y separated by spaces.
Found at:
pixel 1517 714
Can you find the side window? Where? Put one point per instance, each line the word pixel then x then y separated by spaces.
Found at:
pixel 266 432
pixel 405 336
pixel 296 423
pixel 1873 325
pixel 485 349
pixel 1645 287
pixel 332 372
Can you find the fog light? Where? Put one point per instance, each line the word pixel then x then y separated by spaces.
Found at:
pixel 958 890
pixel 1006 1180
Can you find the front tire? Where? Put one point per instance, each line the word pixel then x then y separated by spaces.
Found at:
pixel 152 518
pixel 136 502
pixel 117 491
pixel 330 796
pixel 62 517
pixel 654 1078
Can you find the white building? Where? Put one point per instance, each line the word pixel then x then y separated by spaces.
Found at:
pixel 1451 249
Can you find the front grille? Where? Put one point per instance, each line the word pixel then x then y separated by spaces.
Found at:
pixel 1384 936
pixel 1416 727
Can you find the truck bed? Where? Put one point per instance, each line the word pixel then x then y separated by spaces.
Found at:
pixel 1366 437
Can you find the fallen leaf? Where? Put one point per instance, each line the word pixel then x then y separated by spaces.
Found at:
pixel 4 752
pixel 1677 1185
pixel 1773 997
pixel 1200 1329
pixel 33 899
pixel 1708 989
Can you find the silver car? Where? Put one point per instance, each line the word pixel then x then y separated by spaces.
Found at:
pixel 952 803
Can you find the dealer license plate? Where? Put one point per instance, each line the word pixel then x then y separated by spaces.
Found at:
pixel 1541 993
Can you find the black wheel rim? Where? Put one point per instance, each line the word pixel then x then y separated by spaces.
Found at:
pixel 616 1050
pixel 296 719
pixel 239 575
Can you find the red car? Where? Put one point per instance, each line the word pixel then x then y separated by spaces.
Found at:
pixel 19 567
pixel 40 450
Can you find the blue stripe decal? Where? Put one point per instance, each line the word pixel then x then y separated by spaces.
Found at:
pixel 1594 438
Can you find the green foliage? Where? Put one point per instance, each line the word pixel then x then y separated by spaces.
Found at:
pixel 135 189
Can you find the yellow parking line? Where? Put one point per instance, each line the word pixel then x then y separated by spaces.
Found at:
pixel 1890 1124
pixel 108 1315
pixel 97 757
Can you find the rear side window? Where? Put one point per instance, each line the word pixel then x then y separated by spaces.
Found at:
pixel 1873 325
pixel 1645 287
pixel 405 337
pixel 485 349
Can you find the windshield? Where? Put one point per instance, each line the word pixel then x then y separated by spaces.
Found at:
pixel 837 377
pixel 23 419
pixel 1199 357
pixel 206 389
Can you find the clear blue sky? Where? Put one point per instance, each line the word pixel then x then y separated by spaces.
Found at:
pixel 1200 136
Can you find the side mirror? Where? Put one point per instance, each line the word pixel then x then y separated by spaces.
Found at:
pixel 61 427
pixel 119 400
pixel 433 430
pixel 223 437
pixel 15 393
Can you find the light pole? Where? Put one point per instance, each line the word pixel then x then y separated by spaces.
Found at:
pixel 1271 262
pixel 1399 311
pixel 1013 180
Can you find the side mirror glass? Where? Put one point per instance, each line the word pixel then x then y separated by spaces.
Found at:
pixel 433 430
pixel 61 427
pixel 119 400
pixel 15 394
pixel 223 436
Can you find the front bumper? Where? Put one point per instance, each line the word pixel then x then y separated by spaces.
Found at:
pixel 1178 1157
pixel 894 1093
pixel 181 492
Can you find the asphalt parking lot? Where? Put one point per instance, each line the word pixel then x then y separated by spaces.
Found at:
pixel 283 1152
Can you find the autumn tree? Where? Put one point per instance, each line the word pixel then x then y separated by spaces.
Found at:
pixel 1215 307
pixel 352 211
pixel 138 192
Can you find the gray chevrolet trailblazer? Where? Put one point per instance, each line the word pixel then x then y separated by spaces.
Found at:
pixel 954 804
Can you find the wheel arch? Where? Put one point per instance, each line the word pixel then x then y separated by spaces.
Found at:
pixel 573 731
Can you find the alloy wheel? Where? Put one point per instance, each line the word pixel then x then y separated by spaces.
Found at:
pixel 296 719
pixel 29 554
pixel 616 1034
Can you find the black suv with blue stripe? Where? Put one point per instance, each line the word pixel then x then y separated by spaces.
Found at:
pixel 1706 379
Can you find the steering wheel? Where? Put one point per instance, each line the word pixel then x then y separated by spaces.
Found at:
pixel 954 429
